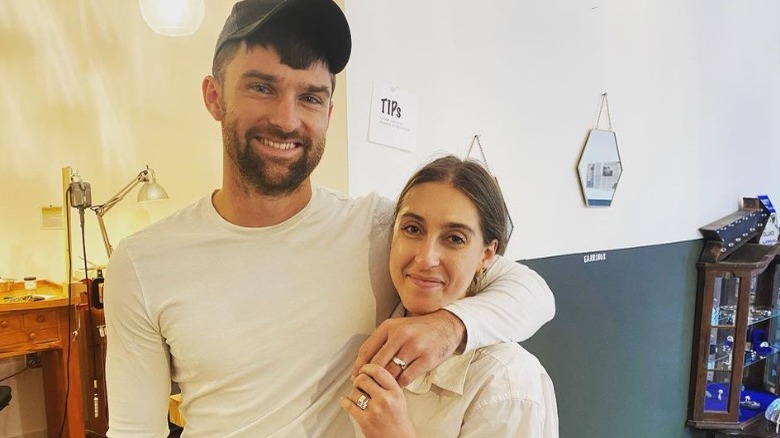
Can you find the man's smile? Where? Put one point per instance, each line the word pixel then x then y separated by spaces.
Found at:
pixel 277 145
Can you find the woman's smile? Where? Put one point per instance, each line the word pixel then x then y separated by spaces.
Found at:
pixel 425 281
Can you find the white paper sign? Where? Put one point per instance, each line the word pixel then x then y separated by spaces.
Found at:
pixel 393 117
pixel 769 235
pixel 771 229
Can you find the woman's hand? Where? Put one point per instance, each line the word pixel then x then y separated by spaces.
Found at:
pixel 385 413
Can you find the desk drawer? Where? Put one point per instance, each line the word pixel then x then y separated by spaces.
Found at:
pixel 38 320
pixel 24 330
pixel 10 323
pixel 12 341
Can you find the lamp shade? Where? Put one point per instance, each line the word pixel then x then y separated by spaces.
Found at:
pixel 151 191
pixel 173 17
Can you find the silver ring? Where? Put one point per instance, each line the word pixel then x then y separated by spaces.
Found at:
pixel 362 402
pixel 401 364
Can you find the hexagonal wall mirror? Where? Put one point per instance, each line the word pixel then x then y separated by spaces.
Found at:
pixel 599 168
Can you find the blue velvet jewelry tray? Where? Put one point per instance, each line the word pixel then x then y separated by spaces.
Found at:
pixel 711 403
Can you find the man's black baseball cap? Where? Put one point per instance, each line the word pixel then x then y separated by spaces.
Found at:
pixel 322 20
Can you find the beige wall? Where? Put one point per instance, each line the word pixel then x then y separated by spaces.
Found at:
pixel 333 171
pixel 100 92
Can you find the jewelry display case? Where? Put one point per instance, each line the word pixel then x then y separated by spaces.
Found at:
pixel 737 334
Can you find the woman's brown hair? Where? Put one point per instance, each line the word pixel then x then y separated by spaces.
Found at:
pixel 474 181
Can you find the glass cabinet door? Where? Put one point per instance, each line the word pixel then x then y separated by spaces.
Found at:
pixel 761 349
pixel 770 373
pixel 719 367
pixel 720 355
pixel 773 337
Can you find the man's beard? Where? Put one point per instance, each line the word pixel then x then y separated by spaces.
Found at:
pixel 254 169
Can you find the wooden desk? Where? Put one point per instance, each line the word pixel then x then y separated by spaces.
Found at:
pixel 42 326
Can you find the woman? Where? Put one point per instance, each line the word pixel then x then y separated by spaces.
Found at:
pixel 450 227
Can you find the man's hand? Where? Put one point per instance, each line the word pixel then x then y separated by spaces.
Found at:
pixel 420 342
pixel 384 412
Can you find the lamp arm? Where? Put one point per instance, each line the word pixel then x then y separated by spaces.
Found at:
pixel 103 208
pixel 106 242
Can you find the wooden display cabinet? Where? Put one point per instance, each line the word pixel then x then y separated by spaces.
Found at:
pixel 737 337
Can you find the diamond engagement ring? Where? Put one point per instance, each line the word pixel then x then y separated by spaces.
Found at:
pixel 362 402
pixel 401 364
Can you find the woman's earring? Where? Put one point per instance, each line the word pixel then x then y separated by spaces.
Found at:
pixel 476 283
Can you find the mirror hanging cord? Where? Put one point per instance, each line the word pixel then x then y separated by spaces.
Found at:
pixel 604 106
pixel 481 152
pixel 509 224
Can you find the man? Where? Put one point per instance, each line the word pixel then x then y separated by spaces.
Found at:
pixel 256 299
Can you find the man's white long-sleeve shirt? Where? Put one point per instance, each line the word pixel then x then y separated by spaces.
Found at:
pixel 260 326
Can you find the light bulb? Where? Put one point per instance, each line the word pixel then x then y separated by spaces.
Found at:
pixel 173 17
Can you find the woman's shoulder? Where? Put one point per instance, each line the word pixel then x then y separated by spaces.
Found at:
pixel 508 355
pixel 508 370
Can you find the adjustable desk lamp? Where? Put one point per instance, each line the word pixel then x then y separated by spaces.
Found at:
pixel 149 191
pixel 80 197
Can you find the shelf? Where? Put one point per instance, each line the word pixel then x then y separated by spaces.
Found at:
pixel 719 370
pixel 724 360
pixel 714 404
pixel 763 397
pixel 774 314
pixel 775 350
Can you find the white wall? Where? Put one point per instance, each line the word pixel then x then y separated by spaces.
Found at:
pixel 694 89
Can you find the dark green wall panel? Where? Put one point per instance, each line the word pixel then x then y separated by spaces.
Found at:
pixel 619 348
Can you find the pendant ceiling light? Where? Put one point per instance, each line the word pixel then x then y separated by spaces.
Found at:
pixel 173 17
